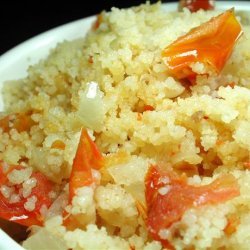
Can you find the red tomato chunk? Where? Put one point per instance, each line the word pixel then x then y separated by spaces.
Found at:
pixel 169 196
pixel 195 5
pixel 16 211
pixel 210 44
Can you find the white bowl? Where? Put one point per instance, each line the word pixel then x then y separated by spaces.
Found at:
pixel 14 63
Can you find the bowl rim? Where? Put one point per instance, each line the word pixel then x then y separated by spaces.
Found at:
pixel 239 5
pixel 49 39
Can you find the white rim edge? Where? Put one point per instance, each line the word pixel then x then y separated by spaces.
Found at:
pixel 45 37
pixel 9 243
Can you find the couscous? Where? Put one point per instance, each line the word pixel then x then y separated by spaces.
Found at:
pixel 127 139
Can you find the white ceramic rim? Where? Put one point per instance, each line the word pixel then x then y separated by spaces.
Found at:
pixel 31 51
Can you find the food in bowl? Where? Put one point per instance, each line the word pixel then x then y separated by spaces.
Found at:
pixel 134 137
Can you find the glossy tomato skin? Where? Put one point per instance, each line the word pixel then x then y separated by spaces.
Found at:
pixel 87 157
pixel 16 212
pixel 211 44
pixel 195 5
pixel 168 196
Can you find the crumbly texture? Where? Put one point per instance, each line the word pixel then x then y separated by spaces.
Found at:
pixel 120 64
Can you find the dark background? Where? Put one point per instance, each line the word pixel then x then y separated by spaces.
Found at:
pixel 20 20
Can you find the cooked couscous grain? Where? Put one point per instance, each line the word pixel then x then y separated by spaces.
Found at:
pixel 83 134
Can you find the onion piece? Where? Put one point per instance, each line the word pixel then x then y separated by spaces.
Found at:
pixel 131 175
pixel 91 108
pixel 57 206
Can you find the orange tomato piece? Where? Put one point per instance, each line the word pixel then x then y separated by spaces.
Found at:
pixel 233 221
pixel 148 108
pixel 168 196
pixel 97 22
pixel 16 212
pixel 87 157
pixel 19 121
pixel 195 5
pixel 246 164
pixel 58 144
pixel 211 43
